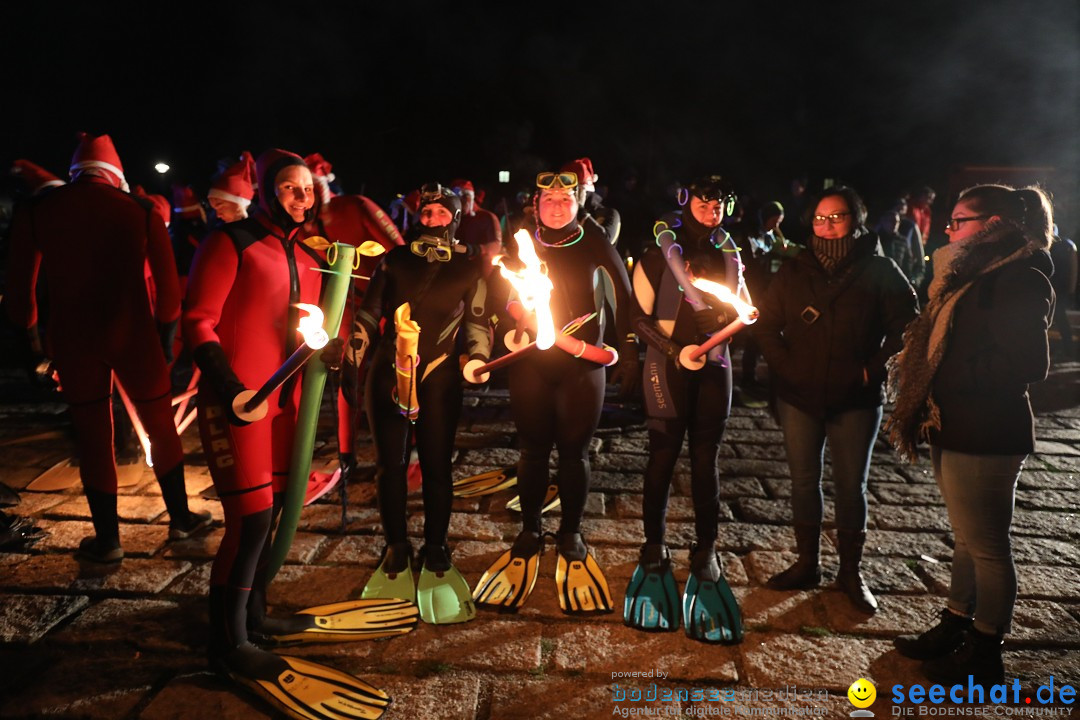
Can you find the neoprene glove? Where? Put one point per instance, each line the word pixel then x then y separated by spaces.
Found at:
pixel 628 372
pixel 332 354
pixel 707 320
pixel 167 336
pixel 210 357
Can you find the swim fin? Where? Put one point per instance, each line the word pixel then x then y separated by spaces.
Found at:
pixel 582 587
pixel 341 622
pixel 302 689
pixel 486 483
pixel 393 579
pixel 509 581
pixel 652 597
pixel 710 610
pixel 442 593
pixel 551 501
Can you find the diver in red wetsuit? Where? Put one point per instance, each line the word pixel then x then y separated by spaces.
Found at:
pixel 352 219
pixel 240 322
pixel 92 239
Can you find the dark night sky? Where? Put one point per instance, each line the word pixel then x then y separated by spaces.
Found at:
pixel 884 95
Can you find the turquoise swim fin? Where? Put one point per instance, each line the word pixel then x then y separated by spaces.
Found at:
pixel 442 593
pixel 652 597
pixel 393 579
pixel 709 609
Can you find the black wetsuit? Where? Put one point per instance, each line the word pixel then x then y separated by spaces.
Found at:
pixel 556 399
pixel 442 296
pixel 681 400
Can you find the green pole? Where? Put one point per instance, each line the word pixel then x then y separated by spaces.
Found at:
pixel 337 291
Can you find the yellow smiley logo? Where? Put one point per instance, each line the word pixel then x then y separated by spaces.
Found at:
pixel 862 693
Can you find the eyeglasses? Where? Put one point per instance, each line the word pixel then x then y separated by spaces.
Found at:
pixel 548 180
pixel 831 218
pixel 432 248
pixel 955 223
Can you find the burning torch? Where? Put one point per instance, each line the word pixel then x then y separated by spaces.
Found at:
pixel 250 405
pixel 692 357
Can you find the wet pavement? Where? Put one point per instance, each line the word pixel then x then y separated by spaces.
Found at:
pixel 129 642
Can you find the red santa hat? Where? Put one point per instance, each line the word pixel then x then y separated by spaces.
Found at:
pixel 186 203
pixel 236 182
pixel 320 169
pixel 463 186
pixel 35 177
pixel 587 177
pixel 159 203
pixel 97 155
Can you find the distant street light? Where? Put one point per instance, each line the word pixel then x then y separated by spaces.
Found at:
pixel 162 168
pixel 504 176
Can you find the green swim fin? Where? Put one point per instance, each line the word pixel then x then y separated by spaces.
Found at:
pixel 710 610
pixel 302 689
pixel 341 622
pixel 442 593
pixel 582 587
pixel 486 483
pixel 507 584
pixel 551 501
pixel 393 579
pixel 652 597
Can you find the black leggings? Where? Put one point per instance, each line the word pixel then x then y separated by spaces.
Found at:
pixel 439 395
pixel 703 398
pixel 556 400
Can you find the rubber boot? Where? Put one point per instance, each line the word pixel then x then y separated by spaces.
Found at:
pixel 104 546
pixel 805 573
pixel 979 655
pixel 183 523
pixel 936 642
pixel 849 578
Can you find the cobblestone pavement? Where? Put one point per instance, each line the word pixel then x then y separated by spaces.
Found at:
pixel 130 643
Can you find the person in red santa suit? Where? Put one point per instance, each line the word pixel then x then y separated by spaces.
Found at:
pixel 187 230
pixel 34 178
pixel 352 219
pixel 92 239
pixel 480 230
pixel 232 190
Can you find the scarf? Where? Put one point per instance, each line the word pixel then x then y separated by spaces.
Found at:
pixel 911 371
pixel 830 251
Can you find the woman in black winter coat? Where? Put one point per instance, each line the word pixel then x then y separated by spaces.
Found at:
pixel 962 384
pixel 830 320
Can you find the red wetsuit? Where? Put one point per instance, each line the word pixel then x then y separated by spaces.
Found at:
pixel 353 219
pixel 244 281
pixel 93 241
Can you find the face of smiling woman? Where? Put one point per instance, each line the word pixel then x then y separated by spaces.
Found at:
pixel 295 191
pixel 558 208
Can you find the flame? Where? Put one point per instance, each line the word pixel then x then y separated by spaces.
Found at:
pixel 311 326
pixel 533 287
pixel 747 312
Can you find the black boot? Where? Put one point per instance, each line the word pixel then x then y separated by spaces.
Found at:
pixel 979 655
pixel 104 546
pixel 849 578
pixel 183 523
pixel 806 572
pixel 936 642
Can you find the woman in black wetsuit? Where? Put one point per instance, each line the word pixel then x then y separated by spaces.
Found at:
pixel 556 400
pixel 668 315
pixel 426 290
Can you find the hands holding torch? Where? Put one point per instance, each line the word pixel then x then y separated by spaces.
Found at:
pixel 250 405
pixel 692 357
pixel 534 288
